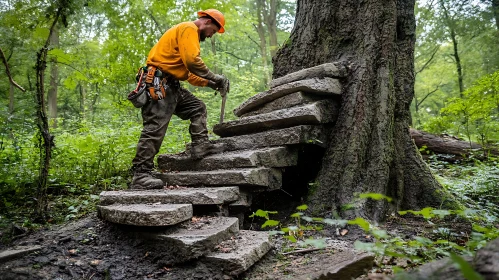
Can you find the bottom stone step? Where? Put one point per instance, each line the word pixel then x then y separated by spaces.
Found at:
pixel 146 214
pixel 189 240
pixel 236 255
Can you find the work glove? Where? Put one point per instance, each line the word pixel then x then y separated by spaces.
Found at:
pixel 212 85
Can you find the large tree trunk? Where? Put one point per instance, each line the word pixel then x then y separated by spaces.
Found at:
pixel 495 9
pixel 370 148
pixel 260 29
pixel 453 36
pixel 270 15
pixel 54 77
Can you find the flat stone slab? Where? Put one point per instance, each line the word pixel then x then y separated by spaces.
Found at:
pixel 287 101
pixel 267 157
pixel 268 178
pixel 195 196
pixel 324 111
pixel 146 214
pixel 303 134
pixel 17 252
pixel 325 86
pixel 334 70
pixel 341 265
pixel 237 255
pixel 191 239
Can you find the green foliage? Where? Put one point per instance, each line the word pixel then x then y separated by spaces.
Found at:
pixel 97 57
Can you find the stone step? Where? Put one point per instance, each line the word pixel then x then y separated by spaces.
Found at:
pixel 195 196
pixel 154 215
pixel 334 70
pixel 303 134
pixel 188 240
pixel 235 256
pixel 267 157
pixel 287 101
pixel 324 111
pixel 17 252
pixel 323 86
pixel 268 178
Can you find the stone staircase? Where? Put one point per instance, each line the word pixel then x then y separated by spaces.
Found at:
pixel 276 144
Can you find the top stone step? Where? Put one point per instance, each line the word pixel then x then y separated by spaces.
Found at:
pixel 324 86
pixel 333 70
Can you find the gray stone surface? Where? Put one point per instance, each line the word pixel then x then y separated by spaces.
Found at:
pixel 268 157
pixel 190 239
pixel 146 214
pixel 237 255
pixel 244 200
pixel 17 252
pixel 324 111
pixel 287 101
pixel 268 178
pixel 348 269
pixel 341 265
pixel 486 263
pixel 195 196
pixel 334 70
pixel 325 86
pixel 303 134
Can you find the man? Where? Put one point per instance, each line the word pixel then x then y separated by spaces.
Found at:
pixel 176 57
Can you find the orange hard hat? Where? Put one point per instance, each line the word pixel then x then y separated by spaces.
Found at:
pixel 216 15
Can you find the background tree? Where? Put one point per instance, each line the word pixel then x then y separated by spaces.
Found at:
pixel 370 149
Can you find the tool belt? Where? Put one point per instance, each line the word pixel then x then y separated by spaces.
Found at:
pixel 155 83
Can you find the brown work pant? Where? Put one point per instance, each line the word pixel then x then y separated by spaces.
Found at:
pixel 157 114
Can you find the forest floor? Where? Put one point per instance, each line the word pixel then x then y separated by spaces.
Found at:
pixel 90 248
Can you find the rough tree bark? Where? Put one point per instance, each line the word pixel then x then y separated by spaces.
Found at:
pixel 370 148
pixel 54 77
pixel 46 140
pixel 260 29
pixel 495 9
pixel 449 21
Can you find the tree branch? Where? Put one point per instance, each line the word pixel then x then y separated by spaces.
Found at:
pixel 252 40
pixel 428 62
pixel 8 72
pixel 419 103
pixel 240 58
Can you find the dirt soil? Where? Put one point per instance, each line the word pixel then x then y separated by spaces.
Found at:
pixel 94 249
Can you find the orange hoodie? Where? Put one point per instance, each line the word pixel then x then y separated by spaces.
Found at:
pixel 178 53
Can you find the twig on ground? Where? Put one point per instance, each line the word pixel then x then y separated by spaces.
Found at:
pixel 302 251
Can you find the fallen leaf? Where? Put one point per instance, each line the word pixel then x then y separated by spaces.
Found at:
pixel 344 232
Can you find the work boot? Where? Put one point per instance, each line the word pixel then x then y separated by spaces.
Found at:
pixel 145 181
pixel 201 149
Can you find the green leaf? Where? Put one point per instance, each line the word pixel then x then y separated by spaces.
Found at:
pixel 380 234
pixel 335 222
pixel 302 207
pixel 441 213
pixel 466 269
pixel 308 219
pixel 290 238
pixel 375 196
pixel 296 215
pixel 316 243
pixel 270 223
pixel 360 222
